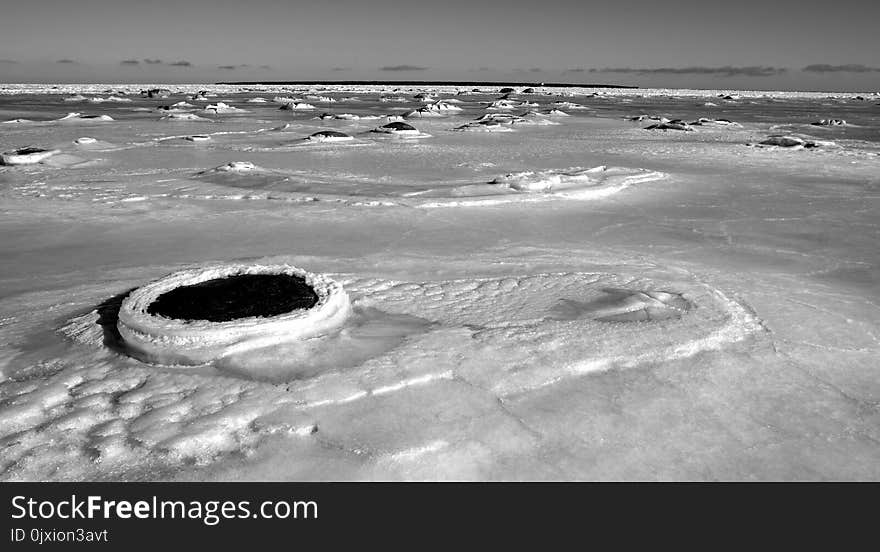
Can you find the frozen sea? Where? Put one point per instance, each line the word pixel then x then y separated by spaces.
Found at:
pixel 563 298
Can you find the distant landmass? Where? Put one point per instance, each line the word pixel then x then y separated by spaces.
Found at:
pixel 426 83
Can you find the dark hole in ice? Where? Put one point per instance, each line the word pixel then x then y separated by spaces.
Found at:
pixel 29 150
pixel 240 296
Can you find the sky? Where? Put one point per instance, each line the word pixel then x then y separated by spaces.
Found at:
pixel 768 45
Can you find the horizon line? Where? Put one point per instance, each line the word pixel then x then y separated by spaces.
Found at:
pixel 424 82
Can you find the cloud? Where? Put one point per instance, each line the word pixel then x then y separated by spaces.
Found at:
pixel 341 69
pixel 403 68
pixel 575 70
pixel 129 62
pixel 65 61
pixel 152 61
pixel 228 67
pixel 8 61
pixel 535 70
pixel 181 63
pixel 848 68
pixel 265 66
pixel 725 71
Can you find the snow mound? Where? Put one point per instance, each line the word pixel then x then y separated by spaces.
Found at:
pixel 527 118
pixel 243 174
pixel 492 120
pixel 534 118
pixel 116 99
pixel 346 117
pixel 321 99
pixel 503 105
pixel 703 121
pixel 80 117
pixel 399 128
pixel 569 105
pixel 484 126
pixel 296 106
pixel 791 142
pixel 443 106
pixel 236 166
pixel 422 112
pixel 157 339
pixel 183 117
pixel 675 124
pixel 577 182
pixel 330 136
pixel 221 107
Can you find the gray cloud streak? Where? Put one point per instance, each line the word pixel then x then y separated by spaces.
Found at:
pixel 181 63
pixel 129 62
pixel 848 68
pixel 725 71
pixel 402 68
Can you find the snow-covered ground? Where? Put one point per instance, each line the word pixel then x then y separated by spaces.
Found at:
pixel 581 300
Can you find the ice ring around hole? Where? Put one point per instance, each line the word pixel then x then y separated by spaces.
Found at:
pixel 197 316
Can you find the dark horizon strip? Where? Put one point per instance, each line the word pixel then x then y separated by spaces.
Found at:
pixel 423 83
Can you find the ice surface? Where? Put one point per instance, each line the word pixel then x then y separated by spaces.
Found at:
pixel 592 301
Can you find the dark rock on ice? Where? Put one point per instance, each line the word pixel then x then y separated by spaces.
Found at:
pixel 158 93
pixel 675 124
